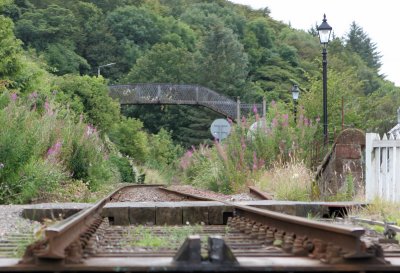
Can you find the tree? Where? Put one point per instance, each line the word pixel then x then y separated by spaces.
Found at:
pixel 136 24
pixel 163 63
pixel 10 50
pixel 40 27
pixel 130 138
pixel 359 42
pixel 89 96
pixel 223 63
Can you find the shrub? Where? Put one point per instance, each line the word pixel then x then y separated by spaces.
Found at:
pixel 249 150
pixel 125 168
pixel 163 151
pixel 130 139
pixel 42 147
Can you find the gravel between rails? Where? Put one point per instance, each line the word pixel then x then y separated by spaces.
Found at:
pixel 210 194
pixel 144 194
pixel 11 221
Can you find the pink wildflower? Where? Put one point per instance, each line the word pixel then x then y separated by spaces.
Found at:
pixel 255 165
pixel 90 130
pixel 285 120
pixel 186 160
pixel 243 142
pixel 255 111
pixel 54 150
pixel 244 122
pixel 33 95
pixel 47 106
pixel 14 96
pixel 274 122
pixel 306 122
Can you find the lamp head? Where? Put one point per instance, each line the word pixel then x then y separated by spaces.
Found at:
pixel 324 31
pixel 295 92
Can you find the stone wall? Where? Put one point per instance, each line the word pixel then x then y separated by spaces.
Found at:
pixel 343 165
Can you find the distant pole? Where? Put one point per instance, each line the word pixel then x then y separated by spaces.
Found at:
pixel 342 113
pixel 238 110
pixel 104 65
pixel 325 94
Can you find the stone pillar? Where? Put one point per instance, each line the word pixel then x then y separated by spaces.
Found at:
pixel 344 167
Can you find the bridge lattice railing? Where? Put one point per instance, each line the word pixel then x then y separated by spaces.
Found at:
pixel 185 94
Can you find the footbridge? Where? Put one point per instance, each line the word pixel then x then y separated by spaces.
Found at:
pixel 183 94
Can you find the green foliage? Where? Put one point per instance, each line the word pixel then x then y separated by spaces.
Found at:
pixel 89 95
pixel 163 152
pixel 238 160
pixel 38 177
pixel 125 168
pixel 163 63
pixel 225 59
pixel 10 63
pixel 42 148
pixel 41 27
pixel 64 60
pixel 137 24
pixel 129 138
pixel 359 42
pixel 230 48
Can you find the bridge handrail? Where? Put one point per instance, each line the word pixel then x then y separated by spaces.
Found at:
pixel 190 94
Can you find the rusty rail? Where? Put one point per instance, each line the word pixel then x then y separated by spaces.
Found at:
pixel 323 241
pixel 187 195
pixel 261 194
pixel 331 242
pixel 63 234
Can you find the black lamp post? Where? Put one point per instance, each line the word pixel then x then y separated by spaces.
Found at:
pixel 324 33
pixel 295 95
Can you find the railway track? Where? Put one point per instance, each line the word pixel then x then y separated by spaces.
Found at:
pixel 252 239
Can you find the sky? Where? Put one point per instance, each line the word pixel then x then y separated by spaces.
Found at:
pixel 377 18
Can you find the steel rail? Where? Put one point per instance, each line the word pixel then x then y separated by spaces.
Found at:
pixel 61 235
pixel 347 238
pixel 259 193
pixel 188 195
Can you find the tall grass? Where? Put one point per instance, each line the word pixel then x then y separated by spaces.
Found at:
pixel 254 146
pixel 42 148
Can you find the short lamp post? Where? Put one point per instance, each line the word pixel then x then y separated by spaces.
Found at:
pixel 104 65
pixel 324 33
pixel 295 95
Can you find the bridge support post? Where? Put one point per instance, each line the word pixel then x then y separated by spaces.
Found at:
pixel 238 111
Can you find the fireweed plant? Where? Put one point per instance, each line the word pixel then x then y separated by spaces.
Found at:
pixel 252 148
pixel 44 147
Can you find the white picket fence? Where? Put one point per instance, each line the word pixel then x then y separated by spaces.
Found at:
pixel 382 160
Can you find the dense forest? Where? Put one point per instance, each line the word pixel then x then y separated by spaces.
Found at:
pixel 50 51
